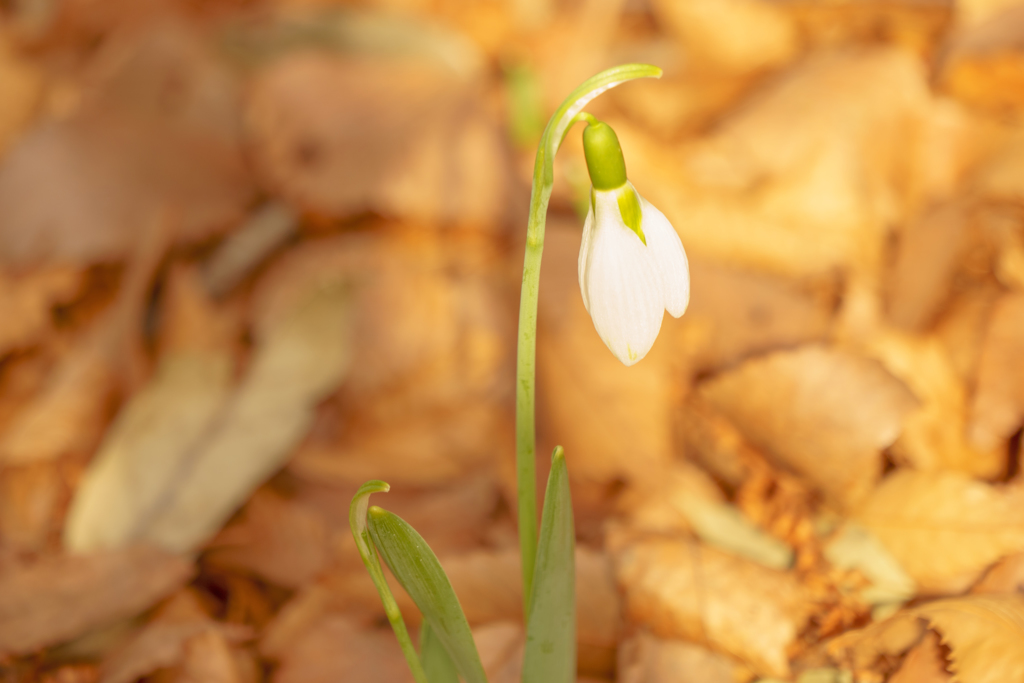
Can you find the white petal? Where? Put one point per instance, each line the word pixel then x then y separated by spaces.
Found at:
pixel 588 230
pixel 667 251
pixel 622 285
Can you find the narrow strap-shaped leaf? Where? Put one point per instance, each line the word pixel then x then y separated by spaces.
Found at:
pixel 357 520
pixel 416 567
pixel 551 634
pixel 439 666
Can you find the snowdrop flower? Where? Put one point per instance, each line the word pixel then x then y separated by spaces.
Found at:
pixel 632 265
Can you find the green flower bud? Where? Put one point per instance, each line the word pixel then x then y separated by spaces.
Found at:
pixel 604 156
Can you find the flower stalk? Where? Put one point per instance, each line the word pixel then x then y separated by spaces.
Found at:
pixel 526 359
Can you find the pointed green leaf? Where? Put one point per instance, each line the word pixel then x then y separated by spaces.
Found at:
pixel 551 634
pixel 357 520
pixel 439 666
pixel 416 567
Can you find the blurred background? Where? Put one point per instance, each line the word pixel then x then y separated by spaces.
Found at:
pixel 254 253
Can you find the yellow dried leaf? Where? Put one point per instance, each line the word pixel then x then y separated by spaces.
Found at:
pixel 944 527
pixel 825 413
pixel 998 408
pixel 801 199
pixel 923 664
pixel 935 434
pixel 930 249
pixel 985 635
pixel 26 303
pixel 854 547
pixel 68 415
pixel 731 35
pixel 982 66
pixel 1005 576
pixel 297 363
pixel 144 451
pixel 679 589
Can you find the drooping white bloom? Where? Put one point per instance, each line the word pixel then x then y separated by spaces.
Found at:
pixel 627 285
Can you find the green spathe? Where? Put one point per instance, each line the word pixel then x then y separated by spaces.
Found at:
pixel 605 163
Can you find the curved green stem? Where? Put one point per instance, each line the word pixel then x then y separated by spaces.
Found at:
pixel 526 371
pixel 357 520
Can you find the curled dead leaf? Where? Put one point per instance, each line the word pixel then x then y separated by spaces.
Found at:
pixel 825 413
pixel 680 589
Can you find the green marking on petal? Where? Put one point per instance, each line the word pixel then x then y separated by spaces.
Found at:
pixel 629 209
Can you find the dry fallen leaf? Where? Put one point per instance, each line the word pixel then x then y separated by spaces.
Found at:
pixel 282 541
pixel 803 199
pixel 247 247
pixel 825 413
pixel 1005 576
pixel 117 172
pixel 731 35
pixel 875 647
pixel 738 313
pixel 427 399
pixel 31 506
pixel 998 409
pixel 193 450
pixel 679 589
pixel 156 134
pixel 21 85
pixel 501 645
pixel 647 659
pixel 26 303
pixel 943 527
pixel 297 362
pixel 145 449
pixel 910 24
pixel 162 644
pixel 401 137
pixel 985 636
pixel 923 664
pixel 151 439
pixel 59 598
pixel 67 417
pixel 335 648
pixel 854 547
pixel 982 64
pixel 929 253
pixel 209 658
pixel 935 433
pixel 685 499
